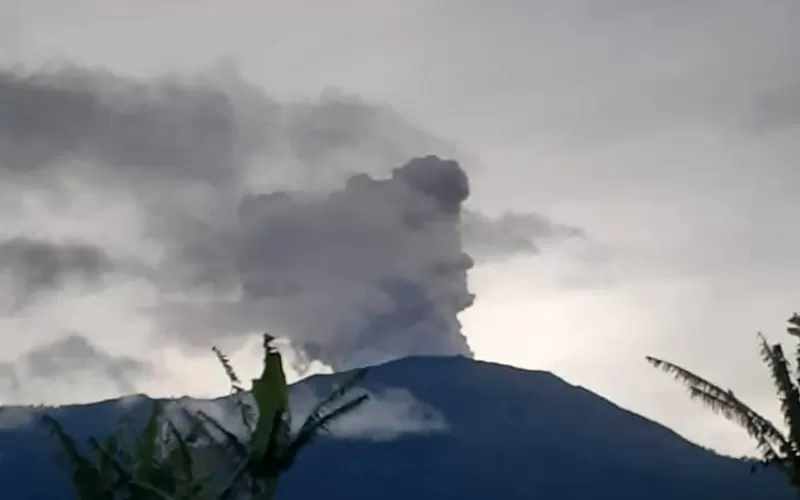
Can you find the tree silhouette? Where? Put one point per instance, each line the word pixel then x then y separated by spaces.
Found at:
pixel 778 448
pixel 271 447
pixel 206 460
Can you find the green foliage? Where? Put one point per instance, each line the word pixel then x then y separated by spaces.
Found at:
pixel 778 448
pixel 271 448
pixel 208 461
pixel 130 466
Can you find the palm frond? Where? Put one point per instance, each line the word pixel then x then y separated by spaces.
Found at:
pixel 271 395
pixel 318 423
pixel 794 325
pixel 794 330
pixel 770 442
pixel 686 377
pixel 236 383
pixel 184 460
pixel 340 391
pixel 148 441
pixel 787 391
pixel 109 461
pixel 245 412
pixel 105 455
pixel 728 405
pixel 86 478
pixel 230 442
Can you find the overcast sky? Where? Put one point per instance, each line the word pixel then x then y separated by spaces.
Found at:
pixel 667 132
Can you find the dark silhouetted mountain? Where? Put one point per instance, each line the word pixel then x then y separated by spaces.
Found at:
pixel 445 428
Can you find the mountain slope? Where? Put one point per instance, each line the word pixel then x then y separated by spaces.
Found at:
pixel 444 428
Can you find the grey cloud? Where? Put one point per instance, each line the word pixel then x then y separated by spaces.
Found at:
pixel 351 276
pixel 344 135
pixel 188 148
pixel 49 119
pixel 371 272
pixel 692 76
pixel 32 267
pixel 586 75
pixel 207 129
pixel 491 238
pixel 8 373
pixel 777 108
pixel 389 414
pixel 73 354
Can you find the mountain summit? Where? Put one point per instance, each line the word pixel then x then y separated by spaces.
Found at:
pixel 440 428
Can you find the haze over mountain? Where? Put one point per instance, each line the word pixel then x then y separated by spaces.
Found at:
pixel 247 213
pixel 632 169
pixel 440 428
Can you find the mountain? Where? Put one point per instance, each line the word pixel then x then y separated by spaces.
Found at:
pixel 443 428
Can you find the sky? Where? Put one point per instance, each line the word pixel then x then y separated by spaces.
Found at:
pixel 631 168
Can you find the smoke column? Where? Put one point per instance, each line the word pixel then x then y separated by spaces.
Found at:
pixel 378 265
pixel 362 260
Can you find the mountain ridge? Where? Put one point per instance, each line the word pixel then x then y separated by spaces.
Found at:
pixel 501 432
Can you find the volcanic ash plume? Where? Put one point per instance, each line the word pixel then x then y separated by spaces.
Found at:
pixel 110 184
pixel 372 272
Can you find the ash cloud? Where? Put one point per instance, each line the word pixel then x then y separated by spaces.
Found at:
pixel 368 273
pixel 391 413
pixel 395 244
pixel 777 108
pixel 30 268
pixel 511 234
pixel 48 120
pixel 351 276
pixel 71 356
pixel 212 129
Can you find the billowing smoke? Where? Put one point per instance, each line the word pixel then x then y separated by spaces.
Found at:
pixel 390 414
pixel 370 272
pixel 355 254
pixel 69 359
pixel 379 265
pixel 511 234
pixel 30 268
